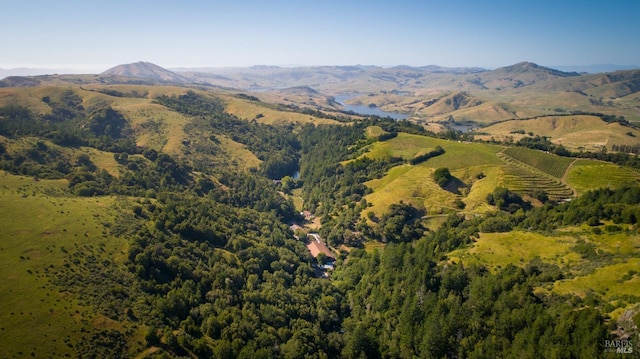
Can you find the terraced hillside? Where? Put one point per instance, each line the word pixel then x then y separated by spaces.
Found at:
pixel 522 178
pixel 553 165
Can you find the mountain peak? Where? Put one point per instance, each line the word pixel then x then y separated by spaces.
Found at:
pixel 530 67
pixel 145 70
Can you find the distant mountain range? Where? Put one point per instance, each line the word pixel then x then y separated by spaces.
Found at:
pixel 31 71
pixel 373 79
pixel 134 68
pixel 431 92
pixel 332 80
pixel 595 69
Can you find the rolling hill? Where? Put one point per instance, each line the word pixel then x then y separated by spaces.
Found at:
pixel 574 132
pixel 520 90
pixel 136 73
pixel 144 218
pixel 145 70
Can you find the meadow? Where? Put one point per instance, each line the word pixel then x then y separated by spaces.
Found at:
pixel 613 282
pixel 497 250
pixel 590 174
pixel 47 226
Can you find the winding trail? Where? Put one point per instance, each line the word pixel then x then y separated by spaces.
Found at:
pixel 564 177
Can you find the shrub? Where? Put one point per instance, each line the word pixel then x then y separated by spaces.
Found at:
pixel 442 176
pixel 612 228
pixel 593 221
pixel 421 158
pixel 506 200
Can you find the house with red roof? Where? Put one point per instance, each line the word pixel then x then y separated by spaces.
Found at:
pixel 316 247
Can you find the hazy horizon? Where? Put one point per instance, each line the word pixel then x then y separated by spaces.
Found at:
pixel 95 36
pixel 27 71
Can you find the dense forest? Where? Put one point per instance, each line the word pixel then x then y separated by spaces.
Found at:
pixel 212 268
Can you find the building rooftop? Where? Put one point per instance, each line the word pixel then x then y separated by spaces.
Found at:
pixel 316 247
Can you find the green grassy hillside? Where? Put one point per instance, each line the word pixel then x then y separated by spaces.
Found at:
pixel 44 229
pixel 414 184
pixel 553 165
pixel 481 168
pixel 584 175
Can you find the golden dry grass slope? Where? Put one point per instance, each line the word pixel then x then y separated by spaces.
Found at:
pixel 517 91
pixel 156 126
pixel 574 132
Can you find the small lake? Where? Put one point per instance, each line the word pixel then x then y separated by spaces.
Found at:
pixel 366 110
pixel 462 127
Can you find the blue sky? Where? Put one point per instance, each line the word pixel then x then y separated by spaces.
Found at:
pixel 96 35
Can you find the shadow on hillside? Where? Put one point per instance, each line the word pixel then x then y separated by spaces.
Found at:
pixel 454 185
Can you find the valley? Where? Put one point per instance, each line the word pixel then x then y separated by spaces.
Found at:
pixel 148 213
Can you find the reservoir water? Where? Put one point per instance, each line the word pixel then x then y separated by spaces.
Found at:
pixel 462 127
pixel 366 110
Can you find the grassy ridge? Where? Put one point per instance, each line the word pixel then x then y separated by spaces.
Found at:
pixel 375 131
pixel 460 155
pixel 412 185
pixel 266 113
pixel 405 146
pixel 457 154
